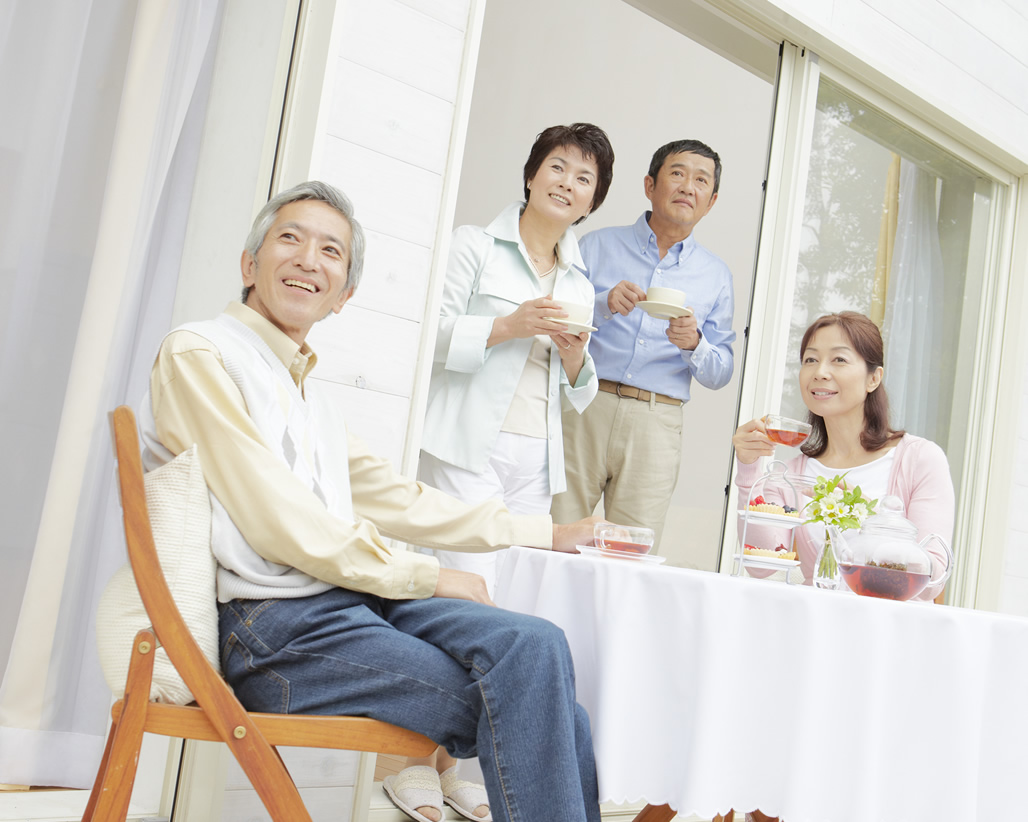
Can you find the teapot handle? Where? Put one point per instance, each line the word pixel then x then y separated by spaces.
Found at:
pixel 949 558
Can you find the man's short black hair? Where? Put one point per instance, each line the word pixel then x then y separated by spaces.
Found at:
pixel 680 146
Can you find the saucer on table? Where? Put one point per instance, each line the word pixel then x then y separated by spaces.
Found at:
pixel 663 311
pixel 593 551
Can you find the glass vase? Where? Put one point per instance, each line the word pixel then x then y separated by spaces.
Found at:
pixel 826 567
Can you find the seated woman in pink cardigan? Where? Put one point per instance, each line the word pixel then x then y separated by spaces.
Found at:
pixel 841 385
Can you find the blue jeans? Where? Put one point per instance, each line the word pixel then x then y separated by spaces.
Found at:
pixel 477 680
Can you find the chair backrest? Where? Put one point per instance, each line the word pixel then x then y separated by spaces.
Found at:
pixel 223 710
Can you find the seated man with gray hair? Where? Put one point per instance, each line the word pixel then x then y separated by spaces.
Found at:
pixel 318 615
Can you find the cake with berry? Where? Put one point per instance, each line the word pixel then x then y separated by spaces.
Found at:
pixel 764 507
pixel 778 552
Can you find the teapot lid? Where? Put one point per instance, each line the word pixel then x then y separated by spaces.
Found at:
pixel 889 520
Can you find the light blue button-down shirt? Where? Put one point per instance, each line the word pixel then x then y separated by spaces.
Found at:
pixel 634 349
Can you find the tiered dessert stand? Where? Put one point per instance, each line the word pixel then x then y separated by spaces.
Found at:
pixel 778 486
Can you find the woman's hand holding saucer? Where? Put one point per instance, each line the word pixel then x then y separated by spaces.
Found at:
pixel 571 348
pixel 751 442
pixel 528 319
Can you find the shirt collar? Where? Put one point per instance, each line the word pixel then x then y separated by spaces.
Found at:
pixel 505 227
pixel 298 359
pixel 644 236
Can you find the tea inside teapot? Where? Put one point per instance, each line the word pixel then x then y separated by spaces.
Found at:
pixel 885 559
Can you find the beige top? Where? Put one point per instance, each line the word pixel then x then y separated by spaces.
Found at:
pixel 527 412
pixel 195 400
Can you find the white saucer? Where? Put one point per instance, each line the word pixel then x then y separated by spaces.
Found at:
pixel 769 562
pixel 663 311
pixel 764 518
pixel 574 328
pixel 591 551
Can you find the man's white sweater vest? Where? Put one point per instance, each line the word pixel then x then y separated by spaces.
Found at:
pixel 297 428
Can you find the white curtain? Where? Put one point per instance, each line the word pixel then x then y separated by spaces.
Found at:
pixel 100 118
pixel 913 310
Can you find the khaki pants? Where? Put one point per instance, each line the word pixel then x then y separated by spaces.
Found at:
pixel 626 451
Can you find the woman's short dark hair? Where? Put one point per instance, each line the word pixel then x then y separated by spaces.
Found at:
pixel 591 140
pixel 682 147
pixel 866 340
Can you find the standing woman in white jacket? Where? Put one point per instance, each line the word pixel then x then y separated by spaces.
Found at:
pixel 505 357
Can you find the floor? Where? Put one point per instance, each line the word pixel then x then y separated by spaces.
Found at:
pixel 66 806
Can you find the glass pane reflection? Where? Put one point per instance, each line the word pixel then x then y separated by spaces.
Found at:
pixel 896 228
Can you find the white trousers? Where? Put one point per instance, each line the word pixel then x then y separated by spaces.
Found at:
pixel 517 473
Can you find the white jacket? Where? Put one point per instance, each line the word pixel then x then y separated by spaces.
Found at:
pixel 472 387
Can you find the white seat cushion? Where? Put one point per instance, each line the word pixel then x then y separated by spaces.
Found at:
pixel 180 516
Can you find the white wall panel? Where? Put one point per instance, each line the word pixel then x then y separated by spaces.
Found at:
pixel 309 767
pixel 452 12
pixel 389 196
pixel 395 278
pixel 963 65
pixel 383 114
pixel 366 349
pixel 947 38
pixel 378 418
pixel 326 804
pixel 999 21
pixel 405 43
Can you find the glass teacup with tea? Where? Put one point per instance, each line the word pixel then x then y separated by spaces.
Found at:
pixel 623 539
pixel 785 431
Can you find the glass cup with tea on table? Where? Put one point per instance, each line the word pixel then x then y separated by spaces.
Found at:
pixel 628 539
pixel 785 431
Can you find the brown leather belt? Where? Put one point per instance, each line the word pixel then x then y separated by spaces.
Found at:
pixel 633 393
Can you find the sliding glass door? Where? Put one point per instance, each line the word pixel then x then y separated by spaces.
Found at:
pixel 870 210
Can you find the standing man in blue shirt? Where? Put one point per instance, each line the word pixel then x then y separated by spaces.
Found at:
pixel 627 445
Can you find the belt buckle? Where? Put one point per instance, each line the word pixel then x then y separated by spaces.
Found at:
pixel 617 390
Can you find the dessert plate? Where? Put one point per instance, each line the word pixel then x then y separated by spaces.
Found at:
pixel 592 551
pixel 769 562
pixel 764 518
pixel 574 328
pixel 663 311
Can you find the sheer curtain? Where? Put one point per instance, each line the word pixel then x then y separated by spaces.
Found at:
pixel 98 145
pixel 913 312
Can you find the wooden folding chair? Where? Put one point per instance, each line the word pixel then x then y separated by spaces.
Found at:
pixel 218 716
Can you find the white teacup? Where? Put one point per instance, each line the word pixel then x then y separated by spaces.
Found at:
pixel 669 296
pixel 577 312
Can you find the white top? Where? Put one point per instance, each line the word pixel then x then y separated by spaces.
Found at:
pixel 527 412
pixel 873 478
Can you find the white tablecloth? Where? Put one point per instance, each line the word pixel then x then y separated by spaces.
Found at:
pixel 708 692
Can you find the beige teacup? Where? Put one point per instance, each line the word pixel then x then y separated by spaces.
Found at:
pixel 669 296
pixel 577 313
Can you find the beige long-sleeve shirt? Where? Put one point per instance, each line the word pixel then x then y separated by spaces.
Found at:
pixel 195 401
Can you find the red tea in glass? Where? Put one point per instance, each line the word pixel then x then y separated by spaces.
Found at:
pixel 884 583
pixel 785 431
pixel 630 540
pixel 783 437
pixel 627 547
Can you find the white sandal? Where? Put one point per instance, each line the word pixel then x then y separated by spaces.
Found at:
pixel 415 787
pixel 464 796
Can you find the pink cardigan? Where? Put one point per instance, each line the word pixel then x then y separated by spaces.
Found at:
pixel 919 476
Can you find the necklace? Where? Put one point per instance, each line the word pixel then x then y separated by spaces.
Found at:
pixel 541 261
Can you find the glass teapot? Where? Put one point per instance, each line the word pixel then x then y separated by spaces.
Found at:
pixel 885 559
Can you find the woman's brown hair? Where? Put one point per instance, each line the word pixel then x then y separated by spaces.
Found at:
pixel 591 140
pixel 866 340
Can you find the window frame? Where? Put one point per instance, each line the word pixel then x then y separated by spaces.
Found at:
pixel 981 516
